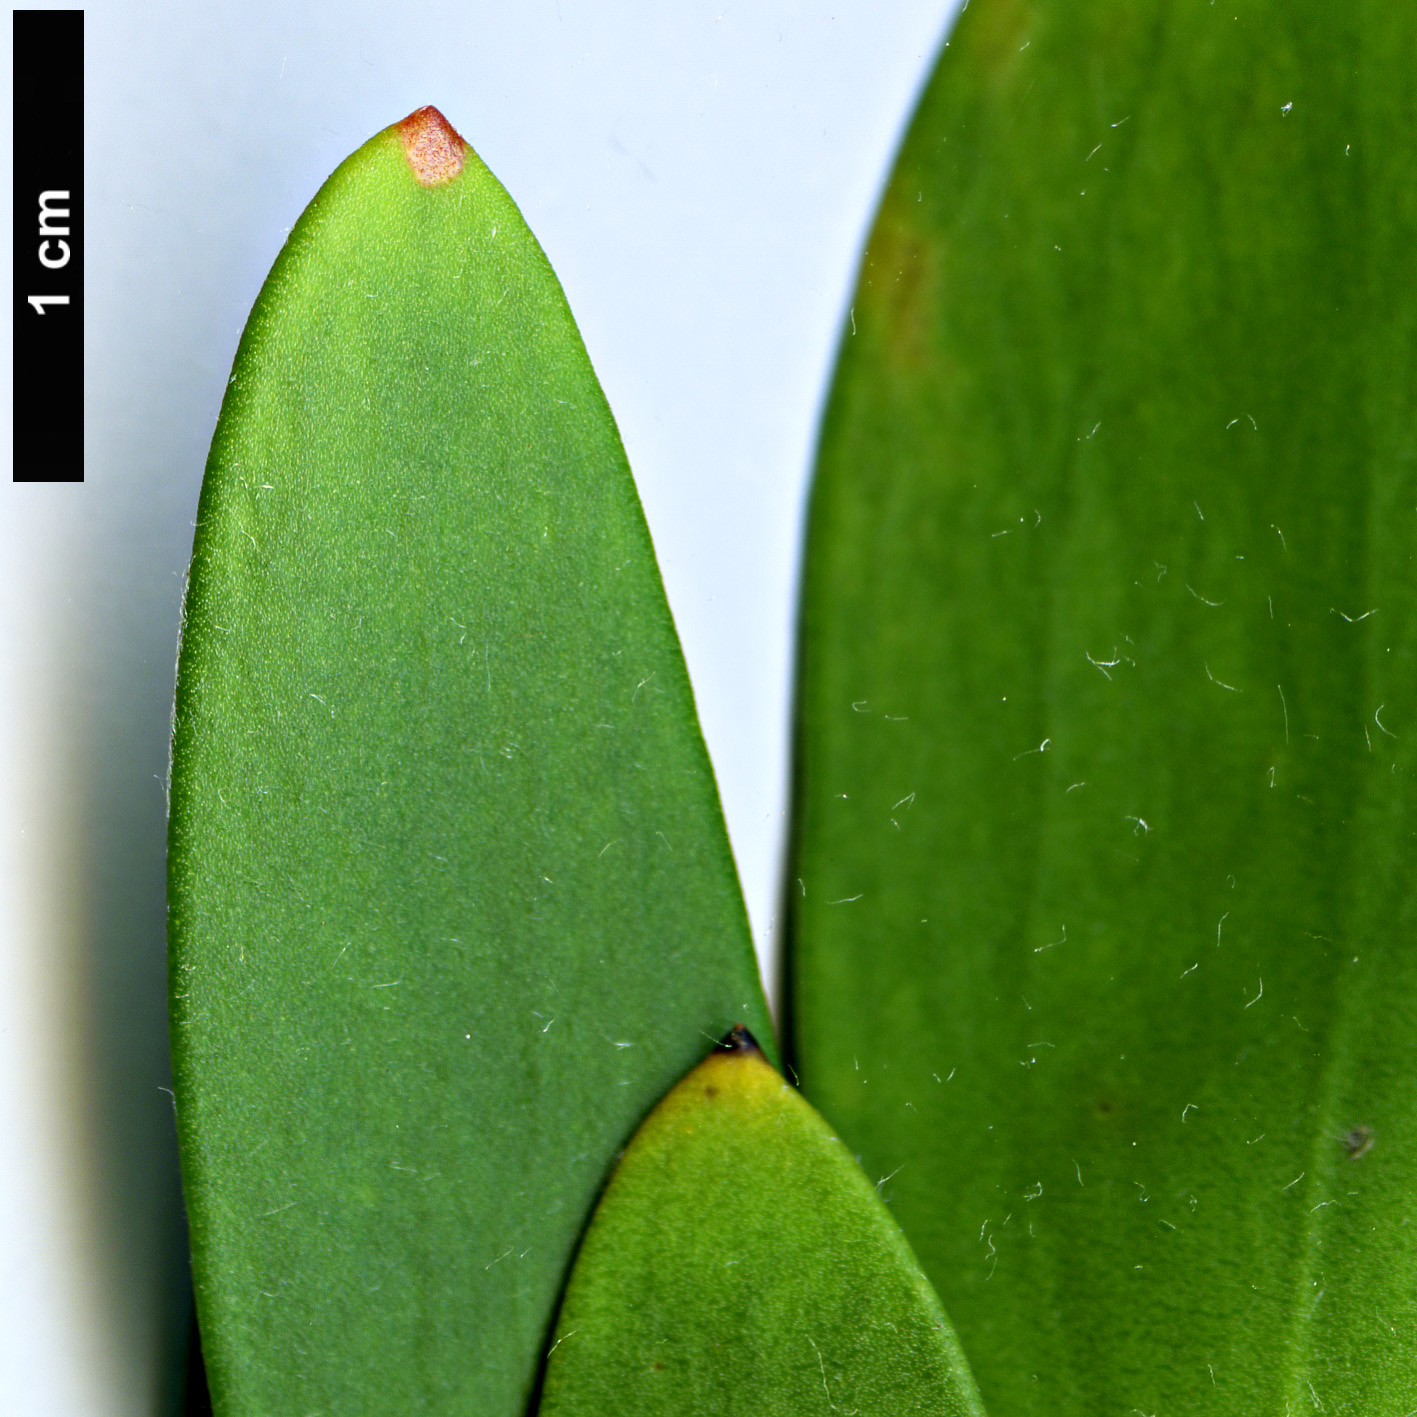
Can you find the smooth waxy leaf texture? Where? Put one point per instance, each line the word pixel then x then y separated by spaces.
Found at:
pixel 741 1263
pixel 452 903
pixel 1105 808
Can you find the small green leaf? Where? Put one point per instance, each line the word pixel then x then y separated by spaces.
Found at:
pixel 740 1262
pixel 451 899
pixel 1108 789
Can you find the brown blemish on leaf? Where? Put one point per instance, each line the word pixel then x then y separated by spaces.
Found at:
pixel 998 38
pixel 900 287
pixel 435 150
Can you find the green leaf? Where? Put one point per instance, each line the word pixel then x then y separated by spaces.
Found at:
pixel 740 1262
pixel 451 899
pixel 1105 814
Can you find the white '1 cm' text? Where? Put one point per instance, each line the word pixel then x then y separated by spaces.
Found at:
pixel 58 257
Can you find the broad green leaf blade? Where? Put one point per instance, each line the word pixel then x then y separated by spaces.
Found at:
pixel 1105 814
pixel 451 898
pixel 740 1262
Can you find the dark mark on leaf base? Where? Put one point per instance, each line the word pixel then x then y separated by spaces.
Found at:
pixel 737 1040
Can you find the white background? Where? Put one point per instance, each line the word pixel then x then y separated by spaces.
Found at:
pixel 701 176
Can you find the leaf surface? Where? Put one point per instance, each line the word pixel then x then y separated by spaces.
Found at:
pixel 451 899
pixel 741 1263
pixel 1108 708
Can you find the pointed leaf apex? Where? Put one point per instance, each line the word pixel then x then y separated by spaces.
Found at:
pixel 738 1040
pixel 434 148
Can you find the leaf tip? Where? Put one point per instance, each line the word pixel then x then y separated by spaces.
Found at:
pixel 435 149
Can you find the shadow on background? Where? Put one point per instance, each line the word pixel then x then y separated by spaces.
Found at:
pixel 198 1401
pixel 123 666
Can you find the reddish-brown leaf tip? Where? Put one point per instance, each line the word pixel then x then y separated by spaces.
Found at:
pixel 738 1040
pixel 434 148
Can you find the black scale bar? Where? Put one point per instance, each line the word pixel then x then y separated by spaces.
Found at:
pixel 49 248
